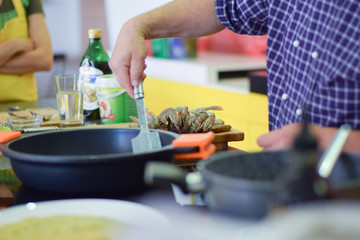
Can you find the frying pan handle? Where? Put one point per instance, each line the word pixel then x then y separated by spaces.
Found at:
pixel 6 136
pixel 162 174
pixel 200 141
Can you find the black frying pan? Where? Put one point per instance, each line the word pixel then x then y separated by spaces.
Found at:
pixel 85 160
pixel 244 184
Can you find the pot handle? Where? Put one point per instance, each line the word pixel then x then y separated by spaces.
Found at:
pixel 163 174
pixel 6 136
pixel 201 141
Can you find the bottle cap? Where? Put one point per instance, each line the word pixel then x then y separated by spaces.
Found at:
pixel 95 33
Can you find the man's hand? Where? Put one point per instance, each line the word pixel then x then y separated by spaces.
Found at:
pixel 179 18
pixel 280 138
pixel 283 138
pixel 128 59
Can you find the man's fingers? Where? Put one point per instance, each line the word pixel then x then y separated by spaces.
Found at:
pixel 264 140
pixel 143 77
pixel 274 140
pixel 137 67
pixel 279 139
pixel 119 64
pixel 122 75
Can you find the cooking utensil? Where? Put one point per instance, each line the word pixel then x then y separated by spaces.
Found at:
pixel 98 160
pixel 45 117
pixel 14 108
pixel 332 153
pixel 235 183
pixel 306 180
pixel 146 141
pixel 15 115
pixel 38 129
pixel 244 184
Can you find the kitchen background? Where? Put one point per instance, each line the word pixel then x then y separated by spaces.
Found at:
pixel 219 75
pixel 68 22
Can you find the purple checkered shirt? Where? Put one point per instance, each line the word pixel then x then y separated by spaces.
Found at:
pixel 313 56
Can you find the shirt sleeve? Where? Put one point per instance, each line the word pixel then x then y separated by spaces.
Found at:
pixel 243 16
pixel 35 6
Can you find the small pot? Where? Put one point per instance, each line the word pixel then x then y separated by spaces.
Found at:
pixel 244 184
pixel 88 160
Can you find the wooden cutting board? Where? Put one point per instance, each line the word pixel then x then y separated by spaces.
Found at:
pixel 221 140
pixel 55 121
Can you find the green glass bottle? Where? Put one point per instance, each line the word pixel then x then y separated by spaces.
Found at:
pixel 95 62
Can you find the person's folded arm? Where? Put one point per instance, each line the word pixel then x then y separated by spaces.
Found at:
pixel 38 59
pixel 12 47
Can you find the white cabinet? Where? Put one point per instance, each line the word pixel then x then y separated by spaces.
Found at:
pixel 119 12
pixel 208 69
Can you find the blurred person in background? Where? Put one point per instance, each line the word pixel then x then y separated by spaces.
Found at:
pixel 25 48
pixel 313 57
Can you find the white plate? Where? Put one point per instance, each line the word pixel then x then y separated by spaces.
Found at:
pixel 330 220
pixel 124 211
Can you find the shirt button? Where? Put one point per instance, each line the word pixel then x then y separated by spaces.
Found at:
pixel 296 43
pixel 315 55
pixel 284 96
pixel 298 111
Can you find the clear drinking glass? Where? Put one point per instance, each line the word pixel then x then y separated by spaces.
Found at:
pixel 69 95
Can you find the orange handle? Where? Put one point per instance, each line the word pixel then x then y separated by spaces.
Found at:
pixel 6 136
pixel 200 140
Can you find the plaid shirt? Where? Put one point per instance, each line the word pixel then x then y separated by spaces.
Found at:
pixel 313 56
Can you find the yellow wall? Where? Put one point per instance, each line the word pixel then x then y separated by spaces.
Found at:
pixel 245 112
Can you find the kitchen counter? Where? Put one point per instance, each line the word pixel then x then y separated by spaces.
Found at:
pixel 185 216
pixel 196 221
pixel 321 221
pixel 192 221
pixel 41 103
pixel 189 222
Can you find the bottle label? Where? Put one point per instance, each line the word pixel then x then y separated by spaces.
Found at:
pixel 90 74
pixel 115 105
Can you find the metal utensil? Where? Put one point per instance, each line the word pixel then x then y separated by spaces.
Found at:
pixel 46 117
pixel 332 153
pixel 16 115
pixel 14 108
pixel 40 129
pixel 307 179
pixel 146 141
